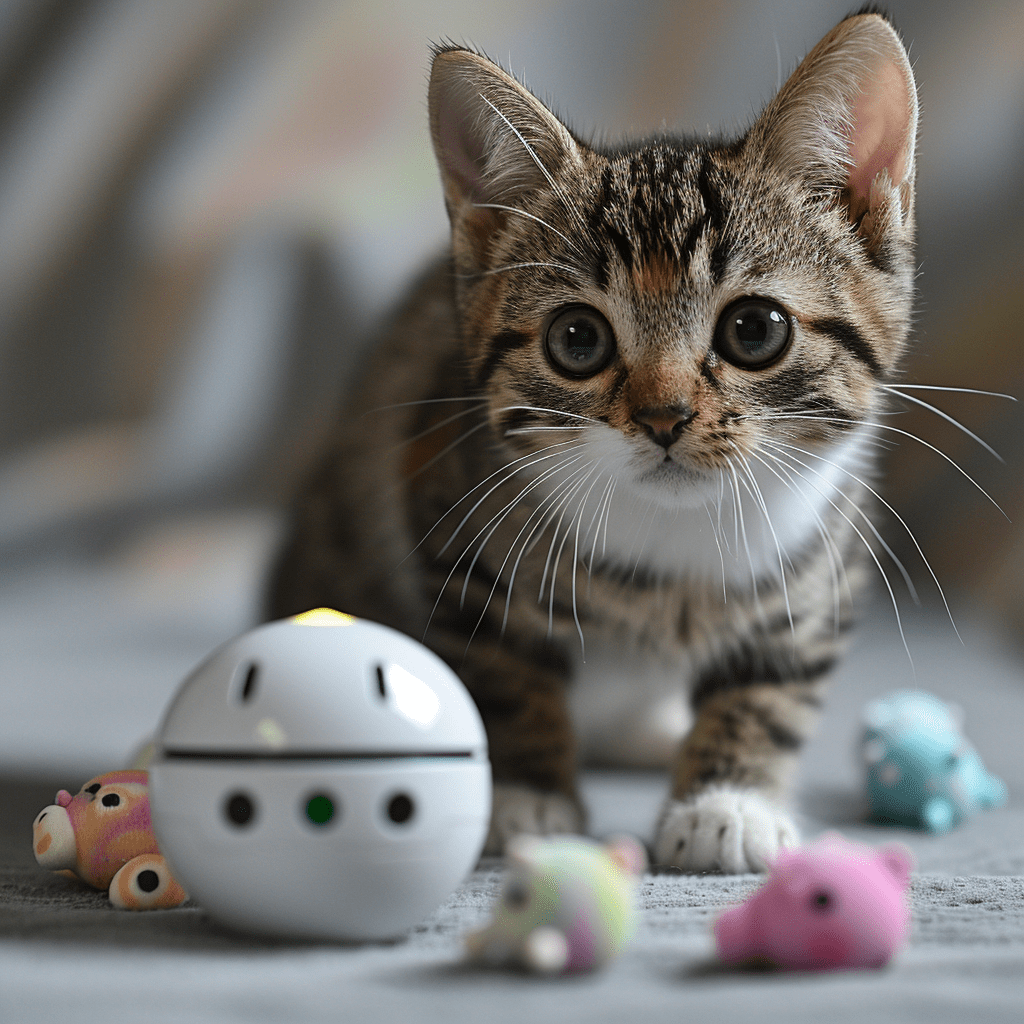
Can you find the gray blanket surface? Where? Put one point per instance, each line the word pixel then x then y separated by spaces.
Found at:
pixel 64 954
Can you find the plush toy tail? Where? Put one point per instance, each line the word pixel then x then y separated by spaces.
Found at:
pixel 146 883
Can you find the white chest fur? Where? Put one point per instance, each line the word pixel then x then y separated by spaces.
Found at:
pixel 748 526
pixel 631 710
pixel 627 710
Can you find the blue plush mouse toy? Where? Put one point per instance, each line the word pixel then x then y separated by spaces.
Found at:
pixel 921 772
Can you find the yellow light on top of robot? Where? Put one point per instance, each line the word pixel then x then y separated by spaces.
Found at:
pixel 323 617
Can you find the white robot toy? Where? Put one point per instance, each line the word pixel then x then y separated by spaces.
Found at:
pixel 321 777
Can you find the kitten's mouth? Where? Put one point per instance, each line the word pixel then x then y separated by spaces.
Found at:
pixel 671 466
pixel 674 483
pixel 670 469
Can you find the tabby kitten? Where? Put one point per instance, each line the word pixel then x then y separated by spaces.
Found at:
pixel 629 413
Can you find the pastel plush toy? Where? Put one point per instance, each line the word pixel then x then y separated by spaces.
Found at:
pixel 921 772
pixel 567 905
pixel 103 836
pixel 832 904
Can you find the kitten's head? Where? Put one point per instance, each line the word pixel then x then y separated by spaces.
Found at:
pixel 683 304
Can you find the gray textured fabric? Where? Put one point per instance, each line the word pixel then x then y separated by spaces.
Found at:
pixel 64 950
pixel 65 954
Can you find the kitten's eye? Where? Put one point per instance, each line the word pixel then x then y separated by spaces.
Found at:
pixel 752 333
pixel 579 341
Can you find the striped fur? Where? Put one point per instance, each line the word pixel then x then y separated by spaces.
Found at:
pixel 674 501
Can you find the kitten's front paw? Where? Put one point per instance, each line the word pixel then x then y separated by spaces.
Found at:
pixel 730 830
pixel 518 809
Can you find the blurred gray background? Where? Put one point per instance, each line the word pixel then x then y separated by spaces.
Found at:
pixel 205 204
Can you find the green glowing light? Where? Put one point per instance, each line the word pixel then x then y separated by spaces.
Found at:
pixel 320 809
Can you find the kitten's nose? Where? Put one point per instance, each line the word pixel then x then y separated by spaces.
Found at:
pixel 664 425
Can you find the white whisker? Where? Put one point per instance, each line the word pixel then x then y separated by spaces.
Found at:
pixel 528 544
pixel 553 412
pixel 734 492
pixel 558 510
pixel 607 516
pixel 874 558
pixel 526 462
pixel 759 497
pixel 555 187
pixel 437 426
pixel 743 534
pixel 899 518
pixel 962 391
pixel 595 523
pixel 895 430
pixel 567 459
pixel 949 419
pixel 539 220
pixel 480 399
pixel 643 531
pixel 721 499
pixel 497 576
pixel 522 431
pixel 438 456
pixel 554 567
pixel 564 267
pixel 499 517
pixel 867 519
pixel 721 554
pixel 831 549
pixel 575 565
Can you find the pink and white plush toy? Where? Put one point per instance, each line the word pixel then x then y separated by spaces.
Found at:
pixel 830 905
pixel 103 836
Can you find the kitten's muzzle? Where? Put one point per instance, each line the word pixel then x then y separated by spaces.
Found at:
pixel 664 425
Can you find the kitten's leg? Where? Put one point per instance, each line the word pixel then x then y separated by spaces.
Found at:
pixel 517 809
pixel 531 745
pixel 519 685
pixel 727 808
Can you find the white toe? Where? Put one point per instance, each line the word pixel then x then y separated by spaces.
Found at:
pixel 730 830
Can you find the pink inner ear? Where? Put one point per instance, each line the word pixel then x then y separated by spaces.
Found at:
pixel 628 854
pixel 790 872
pixel 880 136
pixel 461 150
pixel 899 861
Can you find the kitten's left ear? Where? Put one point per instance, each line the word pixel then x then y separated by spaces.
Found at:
pixel 847 119
pixel 494 140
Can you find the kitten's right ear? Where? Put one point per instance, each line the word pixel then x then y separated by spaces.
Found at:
pixel 847 119
pixel 494 140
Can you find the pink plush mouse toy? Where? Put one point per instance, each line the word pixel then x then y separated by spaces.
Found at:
pixel 103 836
pixel 832 904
